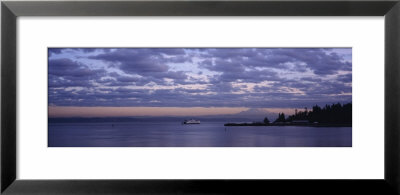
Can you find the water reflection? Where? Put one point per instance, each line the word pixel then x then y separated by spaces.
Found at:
pixel 212 134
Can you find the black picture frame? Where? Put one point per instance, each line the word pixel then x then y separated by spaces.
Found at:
pixel 11 10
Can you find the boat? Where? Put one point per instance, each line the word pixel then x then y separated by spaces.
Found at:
pixel 191 121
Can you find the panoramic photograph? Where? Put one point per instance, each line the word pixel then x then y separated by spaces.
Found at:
pixel 199 97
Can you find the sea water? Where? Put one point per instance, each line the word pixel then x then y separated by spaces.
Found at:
pixel 206 134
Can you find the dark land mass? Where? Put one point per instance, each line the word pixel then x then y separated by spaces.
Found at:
pixel 335 115
pixel 289 124
pixel 330 114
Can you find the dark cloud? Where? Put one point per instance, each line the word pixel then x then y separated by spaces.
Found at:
pixel 297 59
pixel 248 77
pixel 347 78
pixel 142 61
pixel 147 62
pixel 52 51
pixel 68 68
pixel 65 73
pixel 127 79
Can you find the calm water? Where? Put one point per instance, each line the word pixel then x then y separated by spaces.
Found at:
pixel 211 134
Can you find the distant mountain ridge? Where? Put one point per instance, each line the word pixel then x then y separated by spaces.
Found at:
pixel 257 113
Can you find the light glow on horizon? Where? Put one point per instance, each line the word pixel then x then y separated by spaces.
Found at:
pixel 73 111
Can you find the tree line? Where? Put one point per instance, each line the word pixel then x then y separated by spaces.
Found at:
pixel 330 114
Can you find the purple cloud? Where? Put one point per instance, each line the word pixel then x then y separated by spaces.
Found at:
pixel 186 77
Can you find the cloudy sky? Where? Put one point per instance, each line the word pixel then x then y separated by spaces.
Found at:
pixel 194 81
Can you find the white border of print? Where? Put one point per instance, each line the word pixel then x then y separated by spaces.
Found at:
pixel 364 34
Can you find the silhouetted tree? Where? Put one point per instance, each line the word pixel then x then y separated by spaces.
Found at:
pixel 266 121
pixel 333 114
pixel 281 118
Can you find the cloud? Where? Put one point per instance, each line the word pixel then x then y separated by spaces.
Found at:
pixel 65 73
pixel 68 68
pixel 147 62
pixel 205 77
pixel 142 61
pixel 318 60
pixel 52 51
pixel 347 78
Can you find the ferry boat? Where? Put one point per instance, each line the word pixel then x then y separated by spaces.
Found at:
pixel 191 121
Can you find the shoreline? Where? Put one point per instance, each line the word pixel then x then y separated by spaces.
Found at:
pixel 304 125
